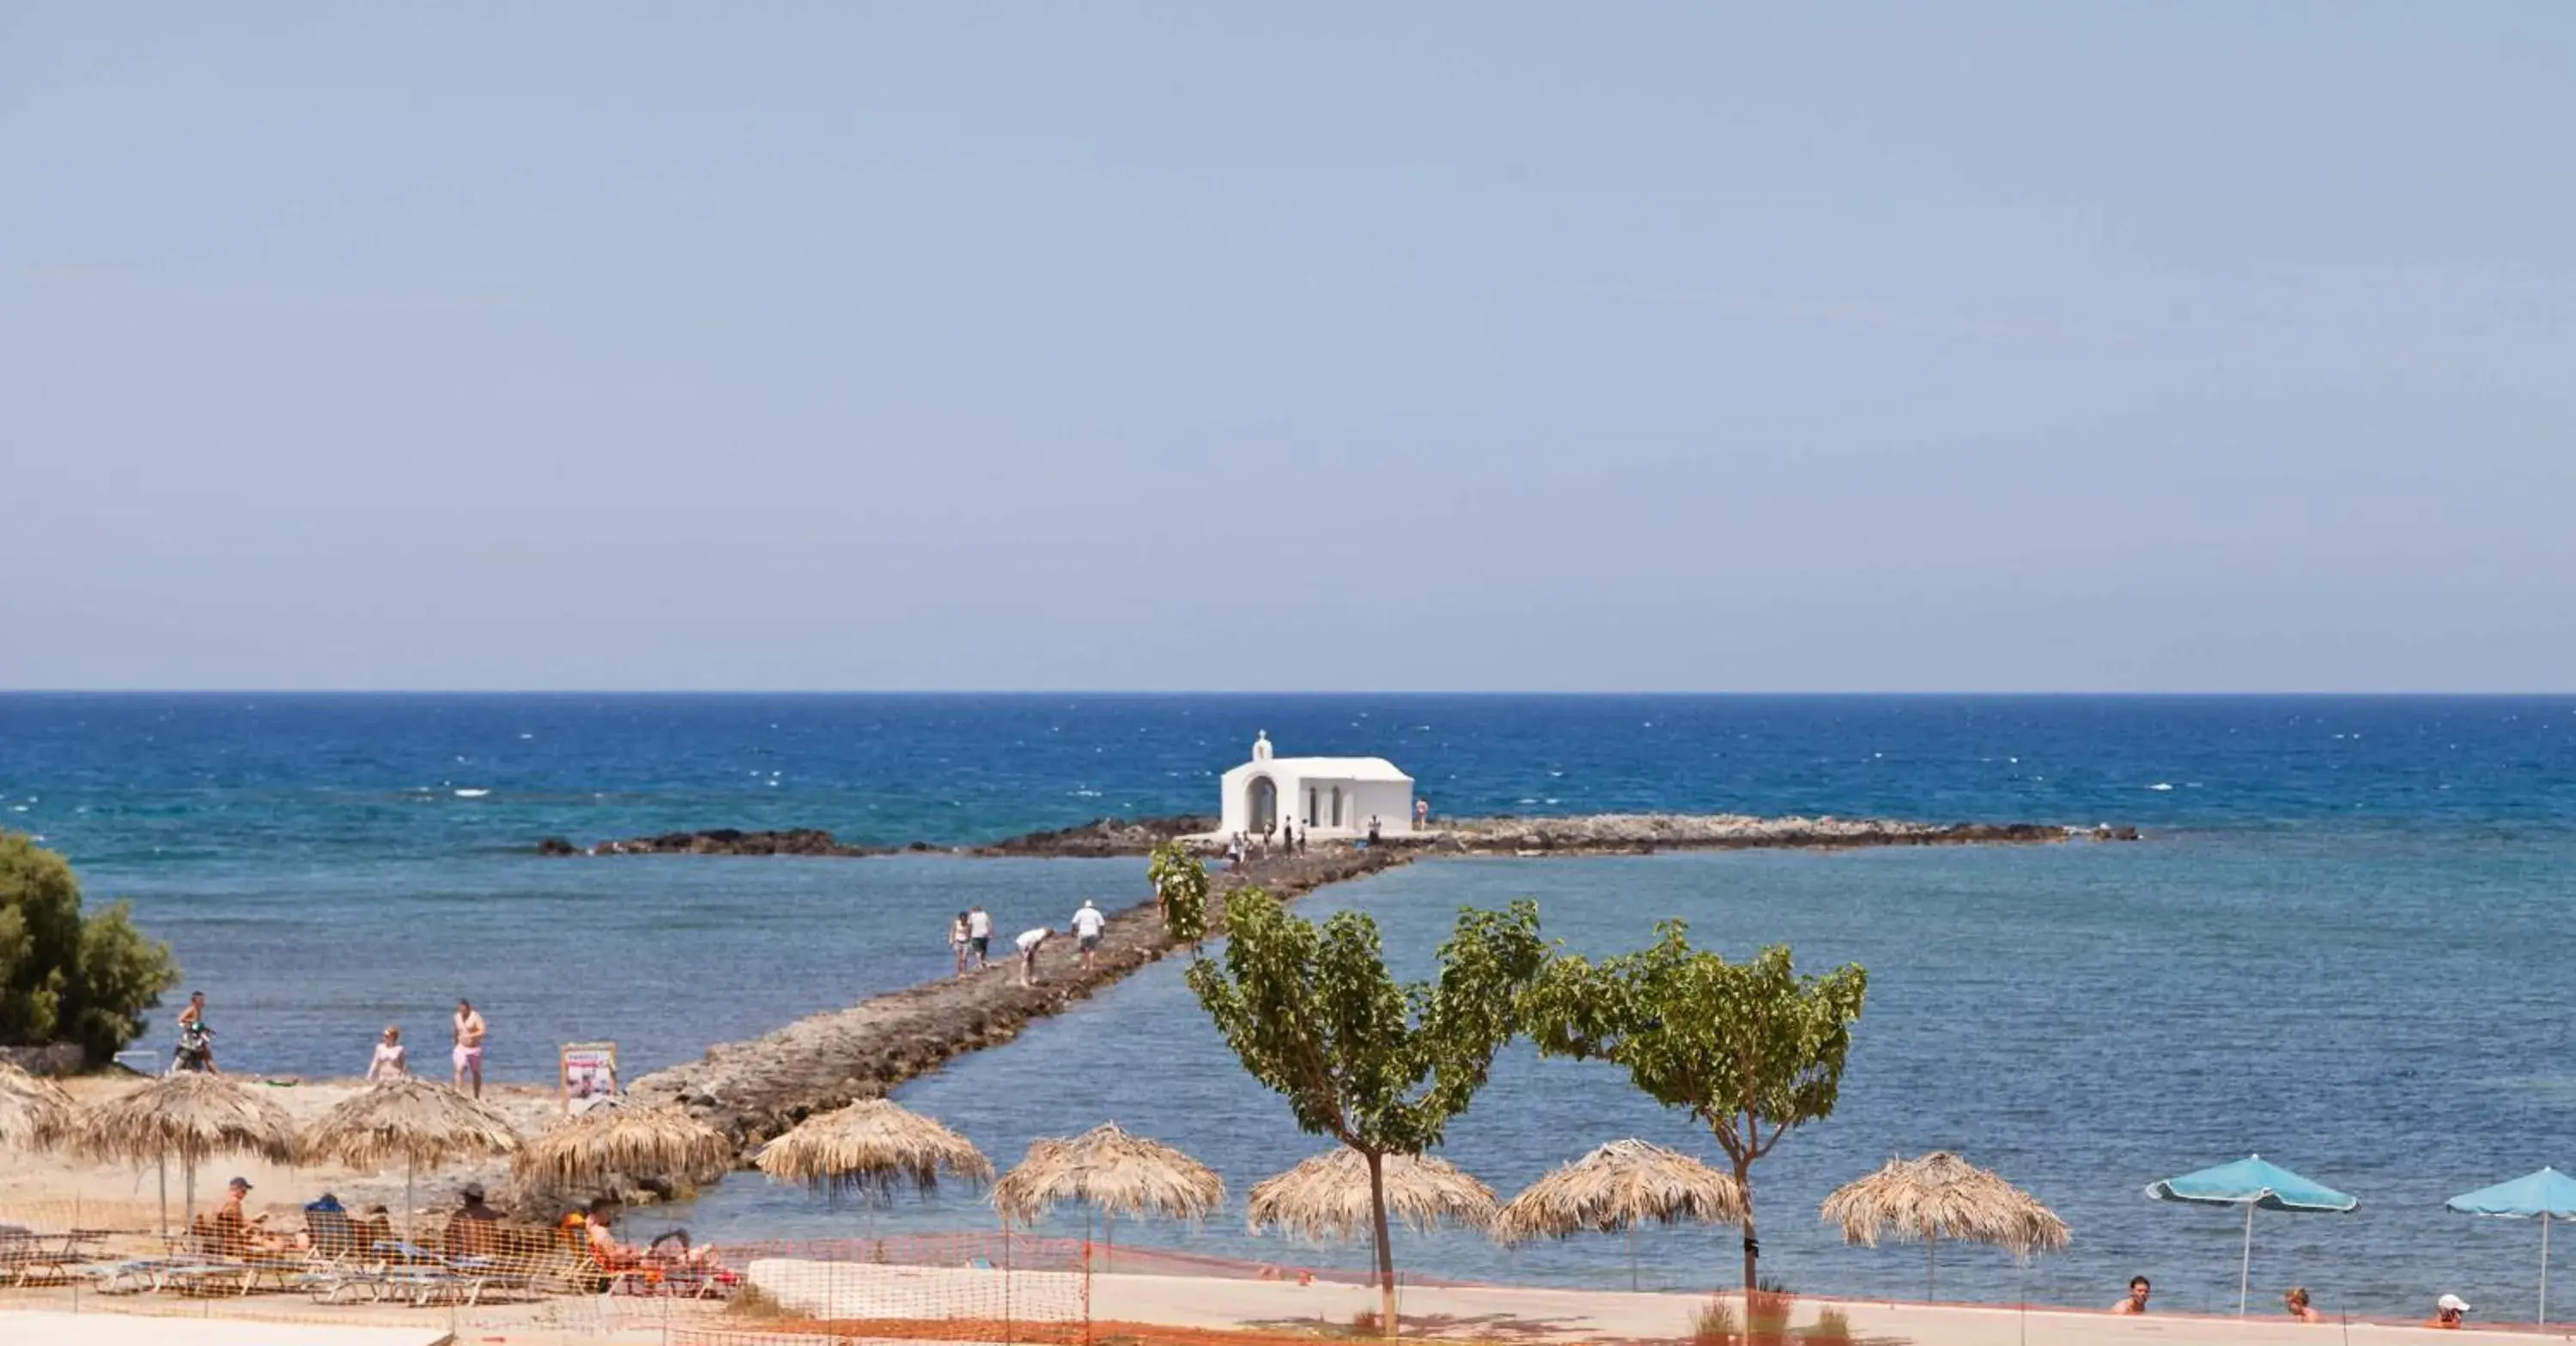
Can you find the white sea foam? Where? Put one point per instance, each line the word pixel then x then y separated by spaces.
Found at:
pixel 2161 785
pixel 471 794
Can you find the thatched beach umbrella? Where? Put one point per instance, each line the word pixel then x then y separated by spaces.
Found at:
pixel 414 1120
pixel 658 1141
pixel 871 1147
pixel 1113 1172
pixel 1942 1196
pixel 189 1116
pixel 1616 1188
pixel 35 1113
pixel 1326 1198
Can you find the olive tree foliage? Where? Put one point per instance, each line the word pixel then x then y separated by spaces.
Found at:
pixel 65 976
pixel 1752 1049
pixel 1180 890
pixel 1377 1065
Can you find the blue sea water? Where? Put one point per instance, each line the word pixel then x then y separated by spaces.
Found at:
pixel 2346 944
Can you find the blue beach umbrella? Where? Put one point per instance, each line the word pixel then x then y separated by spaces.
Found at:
pixel 2548 1194
pixel 2255 1185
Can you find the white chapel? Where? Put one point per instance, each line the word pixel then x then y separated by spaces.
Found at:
pixel 1328 796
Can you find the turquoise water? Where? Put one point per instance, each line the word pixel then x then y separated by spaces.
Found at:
pixel 2388 1017
pixel 2345 947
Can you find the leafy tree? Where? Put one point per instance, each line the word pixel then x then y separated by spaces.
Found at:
pixel 63 976
pixel 1180 890
pixel 1752 1049
pixel 1379 1066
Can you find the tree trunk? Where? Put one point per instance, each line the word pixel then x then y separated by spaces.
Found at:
pixel 1385 1251
pixel 1744 1181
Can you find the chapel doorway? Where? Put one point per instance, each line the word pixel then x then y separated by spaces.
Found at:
pixel 1264 804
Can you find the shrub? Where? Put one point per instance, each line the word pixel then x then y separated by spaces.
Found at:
pixel 1831 1328
pixel 1365 1323
pixel 65 977
pixel 1714 1324
pixel 1766 1314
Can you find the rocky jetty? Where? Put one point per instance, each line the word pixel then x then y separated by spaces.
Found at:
pixel 1104 837
pixel 719 841
pixel 1637 833
pixel 755 1090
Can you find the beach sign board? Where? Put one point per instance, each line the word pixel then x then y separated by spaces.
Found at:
pixel 588 1071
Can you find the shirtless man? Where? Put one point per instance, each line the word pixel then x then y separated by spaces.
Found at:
pixel 2136 1303
pixel 469 1047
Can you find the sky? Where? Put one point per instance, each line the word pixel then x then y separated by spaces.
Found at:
pixel 1481 346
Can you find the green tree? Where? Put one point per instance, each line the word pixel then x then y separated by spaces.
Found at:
pixel 1379 1066
pixel 1180 890
pixel 1751 1049
pixel 63 976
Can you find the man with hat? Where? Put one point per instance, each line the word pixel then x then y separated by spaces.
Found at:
pixel 2450 1311
pixel 471 1230
pixel 234 1233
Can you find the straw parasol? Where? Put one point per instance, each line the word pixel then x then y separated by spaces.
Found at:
pixel 872 1146
pixel 191 1116
pixel 1616 1188
pixel 1113 1172
pixel 1942 1196
pixel 657 1141
pixel 1327 1197
pixel 35 1113
pixel 414 1120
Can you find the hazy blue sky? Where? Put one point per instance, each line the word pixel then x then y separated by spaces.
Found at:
pixel 945 345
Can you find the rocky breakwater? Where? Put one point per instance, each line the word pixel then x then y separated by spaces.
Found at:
pixel 755 1090
pixel 1104 837
pixel 1644 833
pixel 720 841
pixel 1100 838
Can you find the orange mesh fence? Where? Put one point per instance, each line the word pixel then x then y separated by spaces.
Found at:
pixel 849 1332
pixel 983 1286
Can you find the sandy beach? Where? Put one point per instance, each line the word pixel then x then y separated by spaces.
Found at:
pixel 52 1190
pixel 1270 1309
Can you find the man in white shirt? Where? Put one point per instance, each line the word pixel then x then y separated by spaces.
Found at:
pixel 1029 942
pixel 979 936
pixel 1087 925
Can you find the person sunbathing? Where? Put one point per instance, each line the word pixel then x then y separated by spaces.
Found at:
pixel 599 1236
pixel 668 1253
pixel 2295 1300
pixel 231 1232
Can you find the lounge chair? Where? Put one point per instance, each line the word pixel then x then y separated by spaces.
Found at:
pixel 28 1254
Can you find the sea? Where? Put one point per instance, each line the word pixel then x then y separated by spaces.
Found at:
pixel 2345 944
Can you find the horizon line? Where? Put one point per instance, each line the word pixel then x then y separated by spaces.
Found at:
pixel 1817 693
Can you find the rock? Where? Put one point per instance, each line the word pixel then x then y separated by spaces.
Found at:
pixel 722 841
pixel 1628 833
pixel 1104 837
